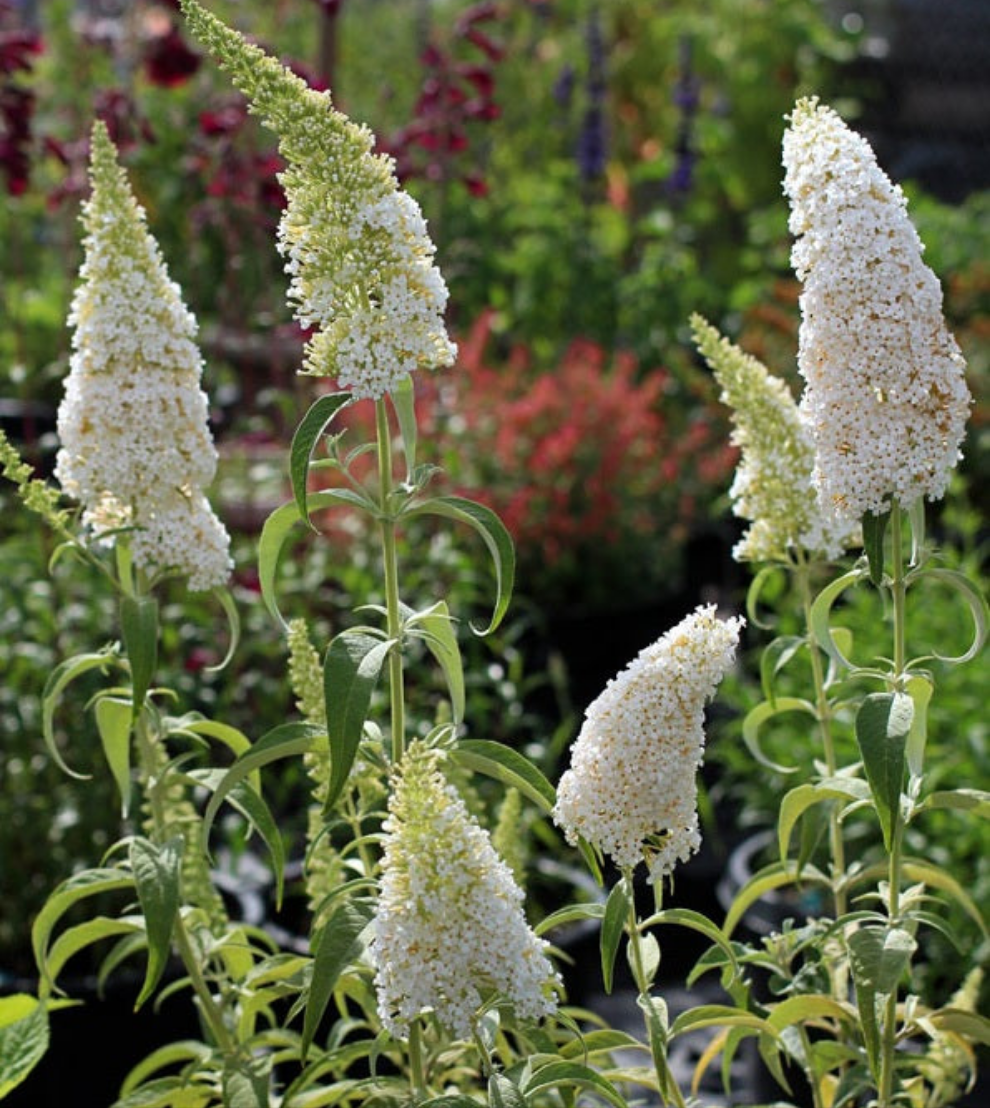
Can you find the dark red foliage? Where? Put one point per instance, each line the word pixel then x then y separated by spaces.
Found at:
pixel 17 50
pixel 168 60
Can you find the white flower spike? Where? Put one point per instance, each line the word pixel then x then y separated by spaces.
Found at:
pixel 136 449
pixel 631 789
pixel 886 398
pixel 450 924
pixel 356 246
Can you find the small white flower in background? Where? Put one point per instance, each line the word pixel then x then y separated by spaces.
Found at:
pixel 450 924
pixel 356 246
pixel 886 397
pixel 772 487
pixel 135 449
pixel 631 789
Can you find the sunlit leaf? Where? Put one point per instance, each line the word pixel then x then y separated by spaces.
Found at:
pixel 883 723
pixel 617 909
pixel 156 875
pixel 309 432
pixel 113 721
pixel 139 627
pixel 507 765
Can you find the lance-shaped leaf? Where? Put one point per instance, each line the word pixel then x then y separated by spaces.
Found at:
pixel 495 536
pixel 878 956
pixel 821 610
pixel 113 721
pixel 758 716
pixel 507 765
pixel 309 432
pixel 337 946
pixel 874 529
pixel 277 528
pixel 223 595
pixel 157 872
pixel 350 672
pixel 883 723
pixel 404 402
pixel 436 629
pixel 556 1075
pixel 64 673
pixel 977 607
pixel 139 628
pixel 617 909
pixel 246 1081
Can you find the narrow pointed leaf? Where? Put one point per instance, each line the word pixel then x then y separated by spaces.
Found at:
pixel 226 600
pixel 308 434
pixel 156 874
pixel 337 946
pixel 74 939
pixel 755 719
pixel 507 765
pixel 246 1081
pixel 441 641
pixel 961 800
pixel 687 917
pixel 113 721
pixel 883 723
pixel 557 1074
pixel 350 673
pixel 774 876
pixel 139 627
pixel 617 909
pixel 773 660
pixel 977 607
pixel 972 1026
pixel 496 538
pixel 288 740
pixel 820 618
pixel 920 690
pixel 874 529
pixel 404 403
pixel 64 673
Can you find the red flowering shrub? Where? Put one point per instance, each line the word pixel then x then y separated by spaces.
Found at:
pixel 600 471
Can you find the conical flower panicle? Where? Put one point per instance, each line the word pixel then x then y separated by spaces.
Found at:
pixel 631 789
pixel 357 251
pixel 136 450
pixel 450 926
pixel 772 486
pixel 886 398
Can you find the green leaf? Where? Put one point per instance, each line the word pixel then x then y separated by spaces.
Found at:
pixel 337 945
pixel 229 606
pixel 687 917
pixel 774 876
pixel 495 536
pixel 878 956
pixel 977 607
pixel 79 886
pixel 920 690
pixel 404 403
pixel 773 660
pixel 883 723
pixel 64 673
pixel 235 741
pixel 156 874
pixel 288 740
pixel 600 1042
pixel 874 528
pixel 113 721
pixel 350 673
pixel 758 716
pixel 246 1081
pixel 507 765
pixel 718 1015
pixel 276 530
pixel 754 591
pixel 961 800
pixel 308 434
pixel 139 627
pixel 820 617
pixel 23 1038
pixel 77 938
pixel 252 806
pixel 573 913
pixel 617 909
pixel 973 1027
pixel 187 1050
pixel 556 1074
pixel 441 641
pixel 802 797
pixel 654 1010
pixel 807 1008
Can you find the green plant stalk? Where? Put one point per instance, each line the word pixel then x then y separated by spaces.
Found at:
pixel 823 713
pixel 669 1091
pixel 183 941
pixel 417 1074
pixel 898 591
pixel 391 569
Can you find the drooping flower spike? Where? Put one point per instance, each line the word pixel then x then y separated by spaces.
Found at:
pixel 772 487
pixel 450 926
pixel 136 449
pixel 631 788
pixel 357 251
pixel 886 398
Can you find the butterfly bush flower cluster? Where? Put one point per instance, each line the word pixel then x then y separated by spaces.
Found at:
pixel 772 487
pixel 136 449
pixel 450 924
pixel 886 397
pixel 356 246
pixel 631 787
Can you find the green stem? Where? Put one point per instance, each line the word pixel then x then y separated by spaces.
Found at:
pixel 669 1091
pixel 898 590
pixel 390 562
pixel 417 1074
pixel 823 713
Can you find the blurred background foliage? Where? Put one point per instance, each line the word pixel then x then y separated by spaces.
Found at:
pixel 592 173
